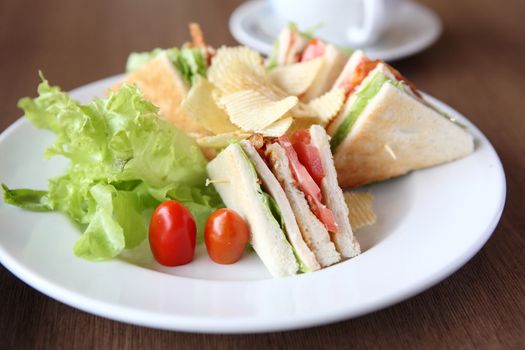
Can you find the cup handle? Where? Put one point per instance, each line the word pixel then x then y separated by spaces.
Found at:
pixel 373 22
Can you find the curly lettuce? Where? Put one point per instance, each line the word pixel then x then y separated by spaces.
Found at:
pixel 189 62
pixel 124 161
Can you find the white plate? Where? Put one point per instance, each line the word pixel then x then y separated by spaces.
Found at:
pixel 414 29
pixel 430 223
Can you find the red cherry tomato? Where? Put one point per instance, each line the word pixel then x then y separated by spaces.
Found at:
pixel 172 234
pixel 225 235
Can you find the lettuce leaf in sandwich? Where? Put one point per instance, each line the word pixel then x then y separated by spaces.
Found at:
pixel 190 62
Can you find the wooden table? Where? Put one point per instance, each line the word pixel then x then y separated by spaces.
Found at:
pixel 478 66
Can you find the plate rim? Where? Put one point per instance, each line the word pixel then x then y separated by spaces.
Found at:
pixel 248 325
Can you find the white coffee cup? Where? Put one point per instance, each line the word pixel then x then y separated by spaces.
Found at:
pixel 343 22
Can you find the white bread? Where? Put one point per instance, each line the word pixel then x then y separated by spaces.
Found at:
pixel 236 182
pixel 288 54
pixel 313 231
pixel 350 67
pixel 332 127
pixel 333 62
pixel 344 239
pixel 395 134
pixel 274 189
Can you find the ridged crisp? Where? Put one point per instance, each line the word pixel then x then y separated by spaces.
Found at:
pixel 200 106
pixel 296 78
pixel 252 111
pixel 361 210
pixel 221 140
pixel 334 62
pixel 239 68
pixel 321 109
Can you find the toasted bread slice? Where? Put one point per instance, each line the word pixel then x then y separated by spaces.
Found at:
pixel 162 85
pixel 395 134
pixel 333 62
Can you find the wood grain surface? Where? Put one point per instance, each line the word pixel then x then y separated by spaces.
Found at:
pixel 477 66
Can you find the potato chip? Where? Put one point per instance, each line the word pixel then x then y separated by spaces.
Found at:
pixel 221 140
pixel 233 66
pixel 239 68
pixel 200 106
pixel 324 108
pixel 253 111
pixel 197 135
pixel 327 105
pixel 296 78
pixel 360 207
pixel 301 123
pixel 278 128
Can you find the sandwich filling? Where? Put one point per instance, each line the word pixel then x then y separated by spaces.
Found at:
pixel 313 229
pixel 361 90
pixel 365 65
pixel 314 49
pixel 361 99
pixel 307 169
pixel 189 62
pixel 355 78
pixel 309 187
pixel 271 205
pixel 287 49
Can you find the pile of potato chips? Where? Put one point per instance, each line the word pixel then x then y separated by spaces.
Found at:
pixel 241 97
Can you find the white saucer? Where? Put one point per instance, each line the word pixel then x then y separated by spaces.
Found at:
pixel 414 29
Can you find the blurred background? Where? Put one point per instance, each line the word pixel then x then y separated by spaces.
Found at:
pixel 76 42
pixel 476 66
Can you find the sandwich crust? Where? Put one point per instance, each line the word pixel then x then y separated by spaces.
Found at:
pixel 344 239
pixel 394 135
pixel 333 62
pixel 273 187
pixel 236 183
pixel 161 84
pixel 291 44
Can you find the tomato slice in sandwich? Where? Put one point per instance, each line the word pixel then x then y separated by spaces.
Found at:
pixel 364 67
pixel 314 49
pixel 308 155
pixel 308 186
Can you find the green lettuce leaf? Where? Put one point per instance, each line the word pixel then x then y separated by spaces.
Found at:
pixel 190 62
pixel 26 198
pixel 138 59
pixel 124 161
pixel 272 59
